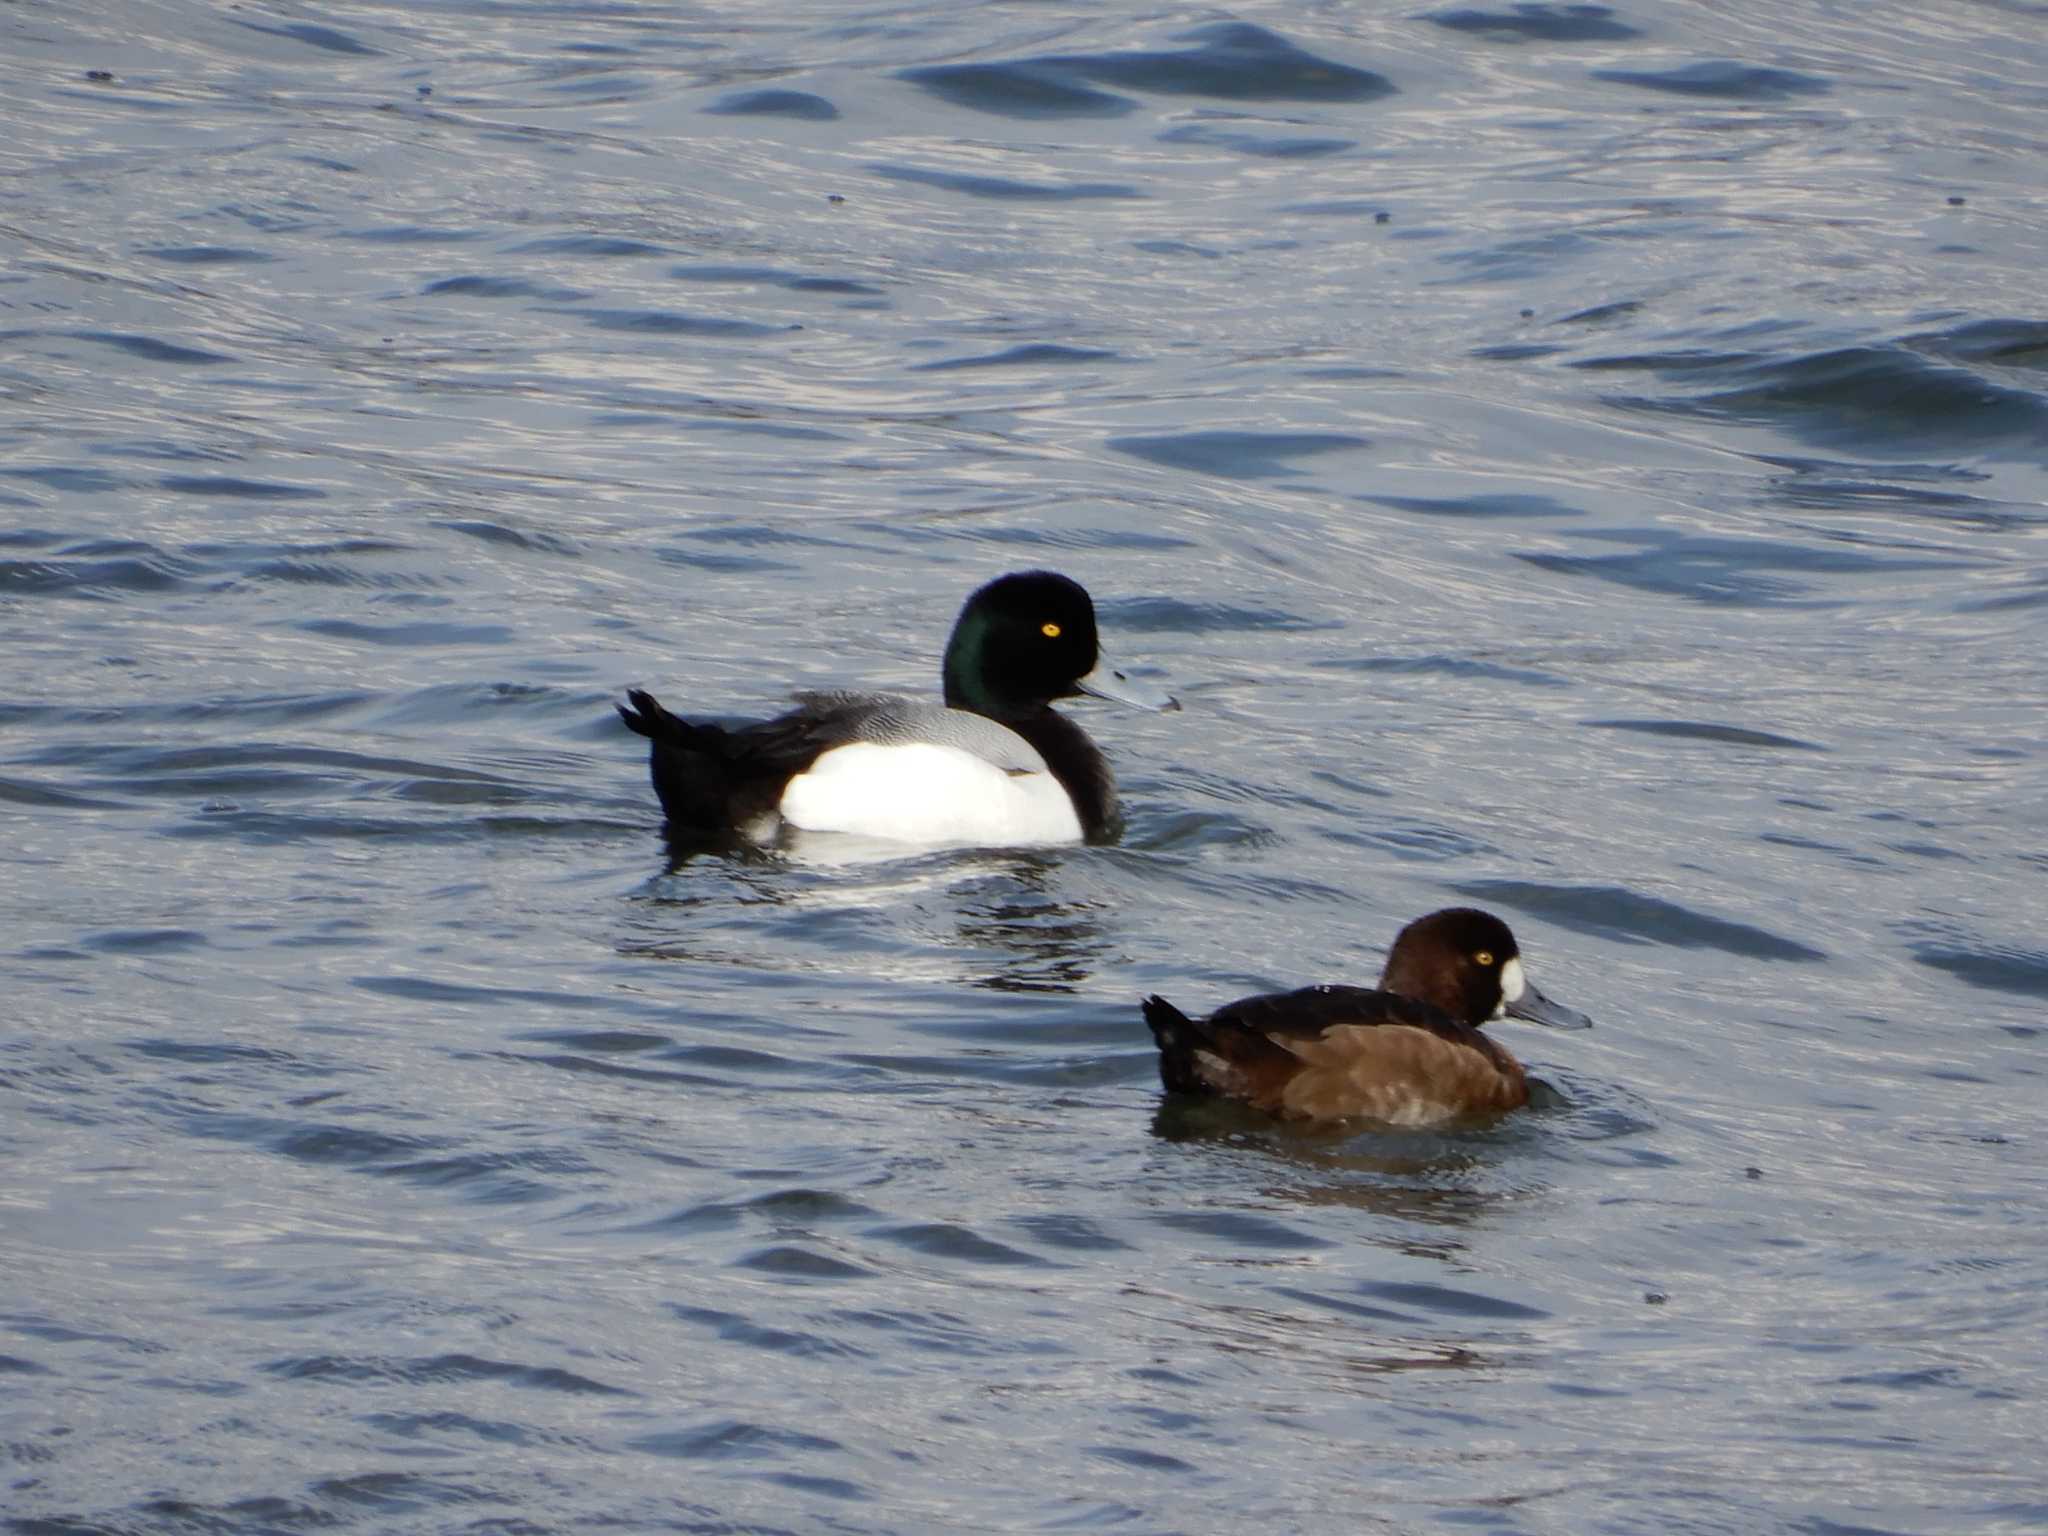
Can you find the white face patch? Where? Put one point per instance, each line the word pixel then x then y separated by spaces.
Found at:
pixel 1512 985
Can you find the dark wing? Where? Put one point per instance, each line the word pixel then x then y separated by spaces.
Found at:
pixel 788 744
pixel 718 778
pixel 1309 1012
pixel 1240 1051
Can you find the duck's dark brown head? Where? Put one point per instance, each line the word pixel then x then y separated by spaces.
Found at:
pixel 1467 963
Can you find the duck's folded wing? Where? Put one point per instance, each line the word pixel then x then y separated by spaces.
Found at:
pixel 1311 1012
pixel 888 721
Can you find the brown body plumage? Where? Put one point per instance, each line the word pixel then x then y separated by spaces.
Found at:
pixel 1409 1052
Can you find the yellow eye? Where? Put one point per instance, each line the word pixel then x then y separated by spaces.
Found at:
pixel 1050 631
pixel 1483 957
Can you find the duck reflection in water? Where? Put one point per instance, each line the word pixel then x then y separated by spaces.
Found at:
pixel 1041 941
pixel 1424 1176
pixel 999 920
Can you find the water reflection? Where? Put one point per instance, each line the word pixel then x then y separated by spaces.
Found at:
pixel 1043 941
pixel 686 845
pixel 1323 1329
pixel 1444 1179
pixel 1005 911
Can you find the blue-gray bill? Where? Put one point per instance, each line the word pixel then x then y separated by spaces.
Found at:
pixel 1538 1009
pixel 1105 682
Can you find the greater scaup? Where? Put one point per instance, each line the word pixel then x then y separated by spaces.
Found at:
pixel 994 765
pixel 1410 1052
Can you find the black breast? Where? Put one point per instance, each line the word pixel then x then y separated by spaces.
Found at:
pixel 1081 769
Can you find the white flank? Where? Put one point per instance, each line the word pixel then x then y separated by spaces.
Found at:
pixel 921 793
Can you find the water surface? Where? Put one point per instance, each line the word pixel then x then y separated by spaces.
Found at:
pixel 1585 461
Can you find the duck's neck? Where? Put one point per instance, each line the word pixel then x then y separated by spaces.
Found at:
pixel 1079 766
pixel 1072 757
pixel 1427 983
pixel 1417 981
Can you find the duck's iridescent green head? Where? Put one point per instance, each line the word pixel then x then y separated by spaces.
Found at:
pixel 1026 639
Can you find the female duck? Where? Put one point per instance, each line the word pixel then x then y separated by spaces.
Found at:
pixel 994 765
pixel 1409 1053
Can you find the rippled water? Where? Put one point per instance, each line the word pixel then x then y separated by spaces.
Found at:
pixel 1588 462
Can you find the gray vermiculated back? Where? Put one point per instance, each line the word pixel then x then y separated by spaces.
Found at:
pixel 891 721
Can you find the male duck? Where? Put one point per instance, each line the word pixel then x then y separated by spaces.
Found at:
pixel 1409 1053
pixel 994 765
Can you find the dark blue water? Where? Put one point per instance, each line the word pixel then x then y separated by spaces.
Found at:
pixel 1591 462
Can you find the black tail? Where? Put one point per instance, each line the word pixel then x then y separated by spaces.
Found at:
pixel 687 763
pixel 1178 1037
pixel 644 714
